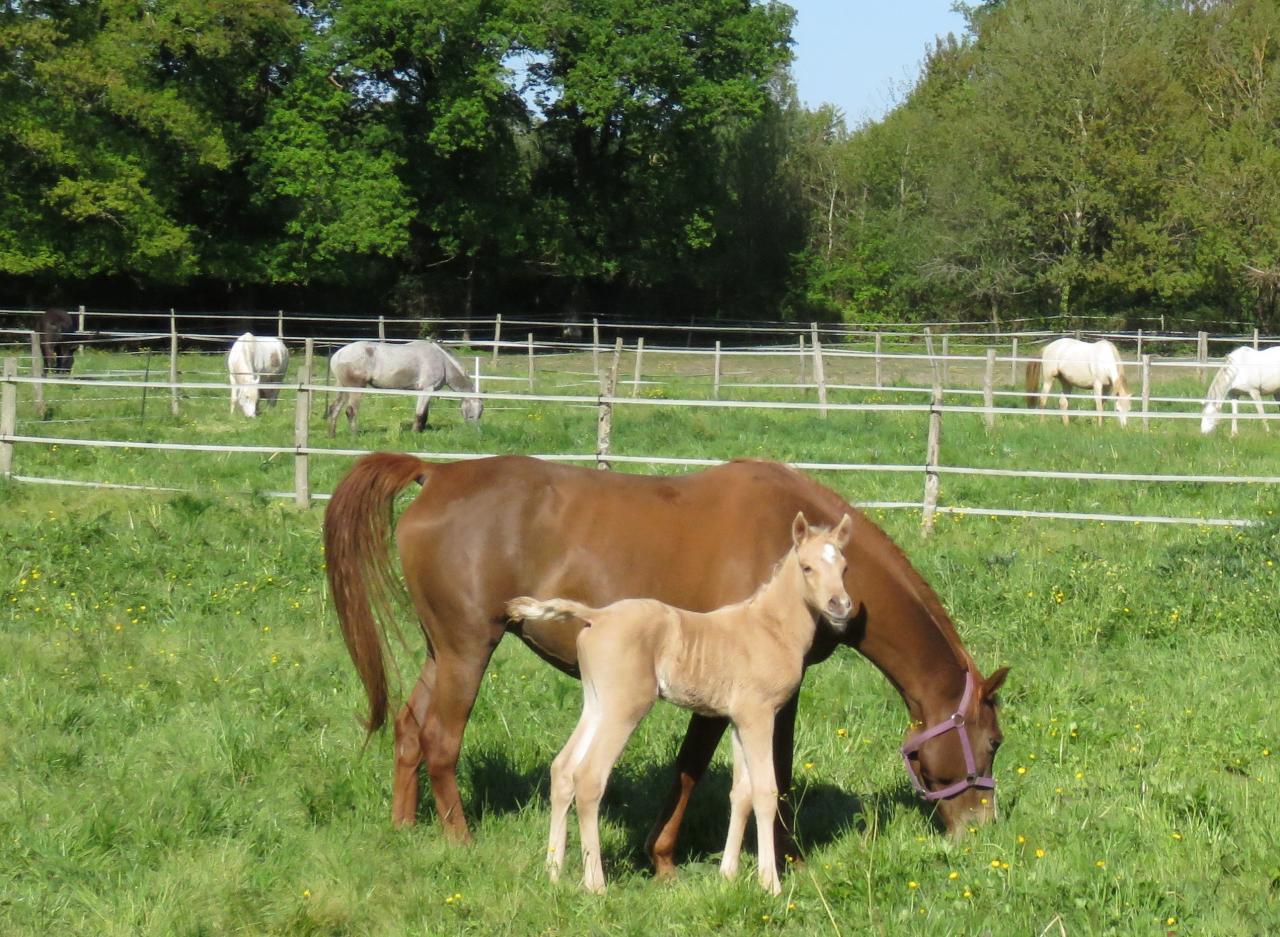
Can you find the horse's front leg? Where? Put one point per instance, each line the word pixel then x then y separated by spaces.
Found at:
pixel 420 415
pixel 1097 400
pixel 1257 402
pixel 700 741
pixel 1235 416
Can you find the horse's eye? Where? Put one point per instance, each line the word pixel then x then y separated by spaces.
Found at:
pixel 995 745
pixel 807 570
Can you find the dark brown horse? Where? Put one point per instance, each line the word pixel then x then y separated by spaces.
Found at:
pixel 58 341
pixel 482 532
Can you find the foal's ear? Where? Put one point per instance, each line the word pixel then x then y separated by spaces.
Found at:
pixel 799 529
pixel 994 682
pixel 844 530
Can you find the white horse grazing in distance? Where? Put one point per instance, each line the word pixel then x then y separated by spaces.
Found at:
pixel 422 365
pixel 1247 371
pixel 253 361
pixel 1078 364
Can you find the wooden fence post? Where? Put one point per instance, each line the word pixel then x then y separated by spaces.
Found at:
pixel 804 369
pixel 933 360
pixel 595 346
pixel 1255 337
pixel 946 364
pixel 604 417
pixel 382 329
pixel 8 415
pixel 635 381
pixel 1202 353
pixel 497 335
pixel 173 362
pixel 1139 344
pixel 988 387
pixel 1146 391
pixel 82 320
pixel 37 372
pixel 933 448
pixel 879 382
pixel 301 432
pixel 819 370
pixel 715 380
pixel 531 362
pixel 1013 364
pixel 475 378
pixel 279 323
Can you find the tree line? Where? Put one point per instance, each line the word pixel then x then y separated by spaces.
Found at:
pixel 628 158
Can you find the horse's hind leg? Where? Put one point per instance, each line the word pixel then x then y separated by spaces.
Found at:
pixel 409 745
pixel 458 675
pixel 332 413
pixel 700 741
pixel 1062 400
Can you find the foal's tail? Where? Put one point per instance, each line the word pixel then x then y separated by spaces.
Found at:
pixel 1033 383
pixel 362 583
pixel 525 608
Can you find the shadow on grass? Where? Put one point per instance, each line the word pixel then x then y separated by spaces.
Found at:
pixel 636 793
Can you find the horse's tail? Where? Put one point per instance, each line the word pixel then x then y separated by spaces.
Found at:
pixel 525 608
pixel 1033 383
pixel 362 583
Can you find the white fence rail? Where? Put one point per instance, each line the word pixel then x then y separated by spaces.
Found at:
pixel 302 451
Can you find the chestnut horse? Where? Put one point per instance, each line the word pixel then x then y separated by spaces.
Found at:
pixel 485 531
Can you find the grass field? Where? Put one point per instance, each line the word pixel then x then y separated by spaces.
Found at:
pixel 180 751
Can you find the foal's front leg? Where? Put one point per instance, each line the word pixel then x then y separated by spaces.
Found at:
pixel 739 808
pixel 756 733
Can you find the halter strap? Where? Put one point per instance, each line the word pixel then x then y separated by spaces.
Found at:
pixel 955 722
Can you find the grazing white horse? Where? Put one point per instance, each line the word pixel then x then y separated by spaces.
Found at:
pixel 1078 364
pixel 251 362
pixel 421 365
pixel 1247 371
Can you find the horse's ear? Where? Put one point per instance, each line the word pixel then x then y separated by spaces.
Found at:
pixel 994 682
pixel 844 531
pixel 799 529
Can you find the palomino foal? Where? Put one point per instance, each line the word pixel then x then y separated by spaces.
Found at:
pixel 743 661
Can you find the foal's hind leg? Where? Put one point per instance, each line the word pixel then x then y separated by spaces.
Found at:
pixel 409 745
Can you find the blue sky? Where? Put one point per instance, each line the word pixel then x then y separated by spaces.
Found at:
pixel 861 55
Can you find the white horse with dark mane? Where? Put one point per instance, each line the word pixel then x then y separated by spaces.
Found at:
pixel 423 365
pixel 1246 371
pixel 1079 364
pixel 254 361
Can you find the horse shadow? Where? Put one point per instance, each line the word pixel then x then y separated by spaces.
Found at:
pixel 636 793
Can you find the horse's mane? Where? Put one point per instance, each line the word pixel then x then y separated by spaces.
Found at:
pixel 899 567
pixel 455 375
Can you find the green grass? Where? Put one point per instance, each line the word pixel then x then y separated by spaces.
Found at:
pixel 180 750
